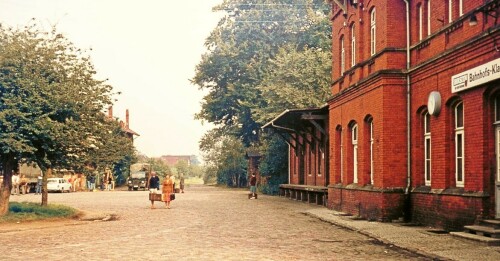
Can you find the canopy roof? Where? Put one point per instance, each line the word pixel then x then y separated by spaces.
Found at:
pixel 294 120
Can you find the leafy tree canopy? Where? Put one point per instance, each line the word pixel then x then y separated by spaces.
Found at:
pixel 51 106
pixel 249 47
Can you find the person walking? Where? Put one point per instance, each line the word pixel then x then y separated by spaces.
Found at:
pixel 108 176
pixel 253 188
pixel 76 182
pixel 91 182
pixel 154 187
pixel 23 185
pixel 39 182
pixel 89 185
pixel 181 183
pixel 167 190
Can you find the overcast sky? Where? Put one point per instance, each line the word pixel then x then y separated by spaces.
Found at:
pixel 148 49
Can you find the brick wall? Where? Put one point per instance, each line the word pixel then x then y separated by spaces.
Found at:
pixel 376 86
pixel 450 212
pixel 367 203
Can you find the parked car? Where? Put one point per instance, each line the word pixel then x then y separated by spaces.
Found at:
pixel 58 184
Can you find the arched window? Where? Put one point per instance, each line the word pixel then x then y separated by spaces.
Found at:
pixel 427 148
pixel 354 139
pixel 342 56
pixel 459 144
pixel 373 30
pixel 353 46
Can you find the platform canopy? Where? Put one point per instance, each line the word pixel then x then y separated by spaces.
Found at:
pixel 297 120
pixel 294 123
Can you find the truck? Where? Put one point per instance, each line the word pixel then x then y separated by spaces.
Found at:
pixel 139 176
pixel 30 173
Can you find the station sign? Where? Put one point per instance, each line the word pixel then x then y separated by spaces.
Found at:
pixel 476 76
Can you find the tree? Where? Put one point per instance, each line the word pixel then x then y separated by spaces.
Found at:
pixel 182 168
pixel 160 166
pixel 274 163
pixel 263 57
pixel 225 158
pixel 51 104
pixel 295 80
pixel 242 49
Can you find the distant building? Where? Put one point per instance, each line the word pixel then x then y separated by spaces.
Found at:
pixel 125 125
pixel 171 160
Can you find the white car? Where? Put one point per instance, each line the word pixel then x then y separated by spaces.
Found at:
pixel 58 184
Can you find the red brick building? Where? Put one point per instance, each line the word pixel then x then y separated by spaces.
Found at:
pixel 124 125
pixel 171 160
pixel 414 119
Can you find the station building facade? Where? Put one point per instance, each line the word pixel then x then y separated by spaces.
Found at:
pixel 414 122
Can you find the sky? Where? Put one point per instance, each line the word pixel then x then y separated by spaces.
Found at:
pixel 148 49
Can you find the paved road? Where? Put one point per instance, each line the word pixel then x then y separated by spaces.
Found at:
pixel 205 223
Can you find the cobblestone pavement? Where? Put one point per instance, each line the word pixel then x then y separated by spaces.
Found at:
pixel 205 223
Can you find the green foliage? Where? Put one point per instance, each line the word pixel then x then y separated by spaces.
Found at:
pixel 210 175
pixel 51 105
pixel 225 159
pixel 20 212
pixel 244 50
pixel 196 171
pixel 263 57
pixel 182 168
pixel 121 169
pixel 160 167
pixel 49 86
pixel 296 79
pixel 274 164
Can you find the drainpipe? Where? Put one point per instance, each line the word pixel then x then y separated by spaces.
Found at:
pixel 408 121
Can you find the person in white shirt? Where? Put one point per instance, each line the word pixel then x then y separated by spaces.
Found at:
pixel 15 184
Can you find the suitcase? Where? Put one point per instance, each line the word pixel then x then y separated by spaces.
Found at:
pixel 154 197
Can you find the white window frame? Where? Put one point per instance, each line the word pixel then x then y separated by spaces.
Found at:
pixel 353 45
pixel 354 139
pixel 459 148
pixel 420 22
pixel 371 152
pixel 427 150
pixel 428 17
pixel 460 8
pixel 373 30
pixel 342 56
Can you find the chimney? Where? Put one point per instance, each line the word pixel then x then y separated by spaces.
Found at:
pixel 110 112
pixel 126 118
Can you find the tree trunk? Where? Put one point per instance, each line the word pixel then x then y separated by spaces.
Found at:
pixel 45 194
pixel 8 162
